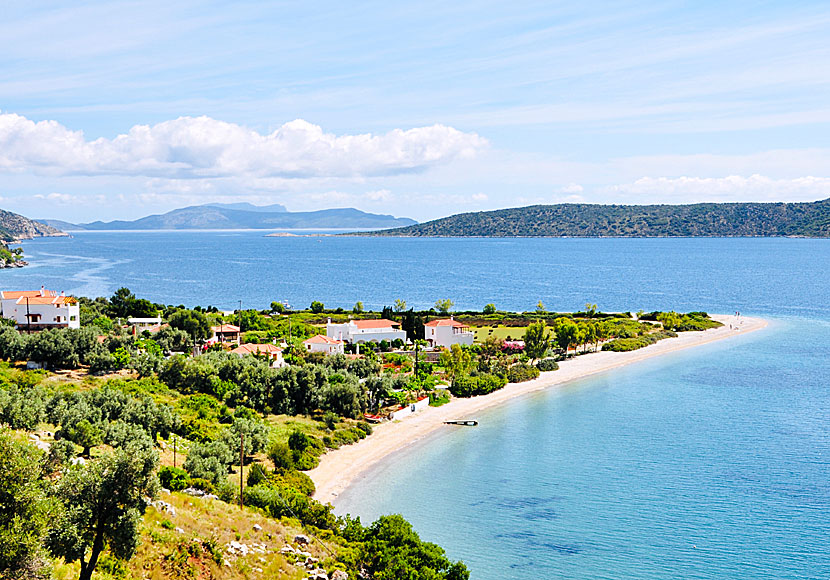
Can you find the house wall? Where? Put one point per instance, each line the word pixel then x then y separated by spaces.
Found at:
pixel 444 336
pixel 325 348
pixel 66 314
pixel 410 409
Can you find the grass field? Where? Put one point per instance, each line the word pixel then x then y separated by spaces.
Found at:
pixel 500 331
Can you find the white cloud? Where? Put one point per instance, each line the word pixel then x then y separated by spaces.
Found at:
pixel 199 147
pixel 732 187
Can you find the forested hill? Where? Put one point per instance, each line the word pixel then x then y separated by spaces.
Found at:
pixel 592 220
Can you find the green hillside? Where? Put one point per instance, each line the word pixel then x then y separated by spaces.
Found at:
pixel 592 220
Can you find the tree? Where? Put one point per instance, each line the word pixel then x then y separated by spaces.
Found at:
pixel 194 323
pixel 536 340
pixel 121 302
pixel 53 348
pixel 25 510
pixel 566 332
pixel 457 361
pixel 393 550
pixel 104 503
pixel 590 309
pixel 669 320
pixel 358 307
pixel 317 307
pixel 444 306
pixel 400 305
pixel 489 308
pixel 84 434
pixel 277 307
pixel 540 307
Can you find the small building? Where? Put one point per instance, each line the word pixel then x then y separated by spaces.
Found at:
pixel 144 323
pixel 447 332
pixel 272 351
pixel 362 331
pixel 225 333
pixel 40 309
pixel 324 344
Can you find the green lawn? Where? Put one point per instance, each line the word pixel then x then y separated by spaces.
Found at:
pixel 500 331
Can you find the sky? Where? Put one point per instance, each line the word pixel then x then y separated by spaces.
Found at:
pixel 117 110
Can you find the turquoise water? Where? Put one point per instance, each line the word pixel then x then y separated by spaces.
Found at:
pixel 709 463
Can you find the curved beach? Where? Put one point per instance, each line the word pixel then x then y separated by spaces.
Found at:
pixel 338 469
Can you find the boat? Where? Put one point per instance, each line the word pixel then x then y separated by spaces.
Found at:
pixel 465 422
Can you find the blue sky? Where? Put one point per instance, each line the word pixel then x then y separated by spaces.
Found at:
pixel 114 110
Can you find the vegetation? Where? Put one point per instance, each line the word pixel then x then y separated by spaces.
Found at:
pixel 589 220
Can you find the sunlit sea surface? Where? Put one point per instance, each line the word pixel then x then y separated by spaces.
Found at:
pixel 711 463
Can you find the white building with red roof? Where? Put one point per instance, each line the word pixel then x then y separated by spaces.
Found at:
pixel 224 333
pixel 324 344
pixel 272 351
pixel 362 331
pixel 447 332
pixel 40 309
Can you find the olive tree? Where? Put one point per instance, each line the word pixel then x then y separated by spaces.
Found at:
pixel 104 503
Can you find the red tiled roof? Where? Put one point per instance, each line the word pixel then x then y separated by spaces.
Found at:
pixel 15 294
pixel 225 328
pixel 376 323
pixel 266 348
pixel 322 339
pixel 45 300
pixel 447 322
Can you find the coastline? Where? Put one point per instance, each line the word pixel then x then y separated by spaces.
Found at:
pixel 340 468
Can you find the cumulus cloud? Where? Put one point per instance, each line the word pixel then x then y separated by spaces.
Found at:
pixel 733 187
pixel 200 147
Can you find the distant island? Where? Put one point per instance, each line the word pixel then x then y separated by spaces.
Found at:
pixel 811 219
pixel 244 216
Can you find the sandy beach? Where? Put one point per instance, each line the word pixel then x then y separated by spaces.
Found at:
pixel 338 469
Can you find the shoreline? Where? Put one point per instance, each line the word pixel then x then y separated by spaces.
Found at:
pixel 340 468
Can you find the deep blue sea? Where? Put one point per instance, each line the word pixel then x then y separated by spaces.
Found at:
pixel 711 463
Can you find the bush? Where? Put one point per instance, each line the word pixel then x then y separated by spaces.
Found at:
pixel 281 455
pixel 256 475
pixel 173 478
pixel 203 484
pixel 547 364
pixel 522 372
pixel 467 386
pixel 629 344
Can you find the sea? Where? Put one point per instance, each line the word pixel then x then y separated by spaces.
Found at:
pixel 708 463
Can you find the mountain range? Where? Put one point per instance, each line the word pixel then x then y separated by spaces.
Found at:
pixel 244 216
pixel 807 219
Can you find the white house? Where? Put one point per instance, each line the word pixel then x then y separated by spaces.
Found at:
pixel 360 331
pixel 447 332
pixel 40 309
pixel 324 344
pixel 272 351
pixel 144 323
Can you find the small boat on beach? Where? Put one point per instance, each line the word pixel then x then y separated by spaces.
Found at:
pixel 465 422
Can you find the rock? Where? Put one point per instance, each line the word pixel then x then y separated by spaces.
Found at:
pixel 305 555
pixel 287 550
pixel 165 491
pixel 165 507
pixel 210 496
pixel 311 560
pixel 257 528
pixel 318 574
pixel 179 530
pixel 193 491
pixel 339 575
pixel 301 539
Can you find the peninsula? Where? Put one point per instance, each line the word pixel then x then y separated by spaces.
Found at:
pixel 339 469
pixel 593 220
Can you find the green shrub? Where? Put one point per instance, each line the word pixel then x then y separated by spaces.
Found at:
pixel 629 344
pixel 467 386
pixel 522 372
pixel 256 474
pixel 203 484
pixel 173 478
pixel 547 364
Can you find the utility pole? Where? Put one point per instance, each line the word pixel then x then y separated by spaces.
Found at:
pixel 28 317
pixel 174 451
pixel 239 318
pixel 241 463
